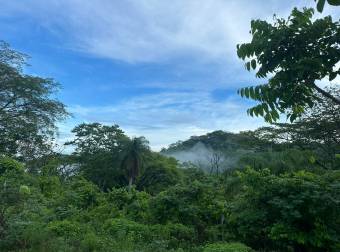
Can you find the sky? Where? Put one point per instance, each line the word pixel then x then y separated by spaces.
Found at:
pixel 165 70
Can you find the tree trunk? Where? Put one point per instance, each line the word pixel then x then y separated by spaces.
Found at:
pixel 130 183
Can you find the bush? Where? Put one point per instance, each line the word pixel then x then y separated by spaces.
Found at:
pixel 131 203
pixel 171 236
pixel 91 242
pixel 296 211
pixel 82 193
pixel 65 229
pixel 226 247
pixel 123 227
pixel 180 234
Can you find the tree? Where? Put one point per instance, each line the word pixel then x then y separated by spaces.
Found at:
pixel 133 157
pixel 215 161
pixel 91 138
pixel 28 114
pixel 318 129
pixel 99 152
pixel 160 172
pixel 294 54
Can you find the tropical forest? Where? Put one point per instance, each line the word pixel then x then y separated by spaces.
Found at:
pixel 271 187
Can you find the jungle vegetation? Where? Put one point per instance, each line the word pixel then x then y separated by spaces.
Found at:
pixel 113 193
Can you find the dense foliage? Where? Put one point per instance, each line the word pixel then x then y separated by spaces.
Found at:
pixel 292 211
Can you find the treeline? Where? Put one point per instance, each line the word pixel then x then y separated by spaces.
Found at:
pixel 167 208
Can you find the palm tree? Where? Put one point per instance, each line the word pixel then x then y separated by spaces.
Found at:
pixel 133 158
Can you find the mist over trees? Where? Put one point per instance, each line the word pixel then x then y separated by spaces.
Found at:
pixel 273 189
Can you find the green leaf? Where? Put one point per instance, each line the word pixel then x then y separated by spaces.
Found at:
pixel 265 107
pixel 260 110
pixel 332 76
pixel 252 92
pixel 257 92
pixel 248 66
pixel 334 2
pixel 242 92
pixel 253 64
pixel 250 111
pixel 238 51
pixel 275 115
pixel 320 5
pixel 268 118
pixel 292 117
pixel 246 92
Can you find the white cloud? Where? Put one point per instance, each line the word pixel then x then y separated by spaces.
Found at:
pixel 150 30
pixel 171 116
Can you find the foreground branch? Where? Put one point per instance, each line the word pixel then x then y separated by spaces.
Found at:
pixel 326 94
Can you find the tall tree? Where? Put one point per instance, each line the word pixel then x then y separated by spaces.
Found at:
pixel 91 138
pixel 133 159
pixel 293 54
pixel 99 152
pixel 28 113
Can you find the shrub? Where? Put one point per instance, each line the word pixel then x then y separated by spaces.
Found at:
pixel 91 242
pixel 82 193
pixel 123 227
pixel 131 203
pixel 65 228
pixel 179 235
pixel 296 211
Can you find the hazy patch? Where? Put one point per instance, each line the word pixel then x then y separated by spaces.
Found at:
pixel 207 158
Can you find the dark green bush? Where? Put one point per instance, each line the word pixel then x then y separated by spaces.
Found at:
pixel 297 211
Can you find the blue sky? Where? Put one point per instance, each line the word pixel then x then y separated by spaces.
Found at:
pixel 163 69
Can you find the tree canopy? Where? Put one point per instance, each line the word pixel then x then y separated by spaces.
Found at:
pixel 28 111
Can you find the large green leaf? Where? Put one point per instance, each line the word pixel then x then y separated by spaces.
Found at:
pixel 334 2
pixel 320 5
